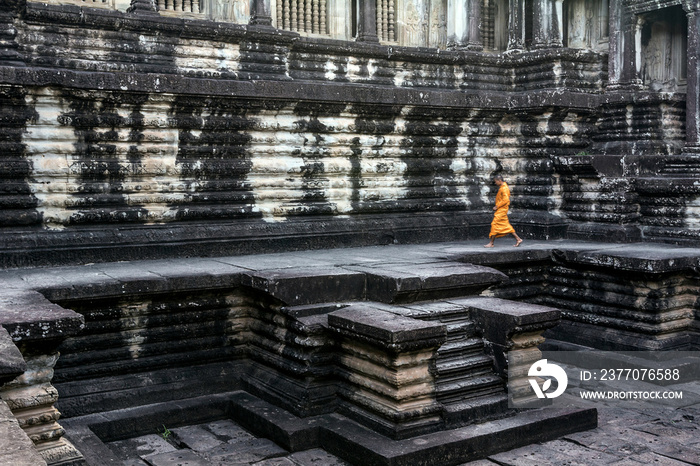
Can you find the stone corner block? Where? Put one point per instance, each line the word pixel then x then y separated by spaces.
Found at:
pixel 389 331
pixel 12 363
pixel 500 319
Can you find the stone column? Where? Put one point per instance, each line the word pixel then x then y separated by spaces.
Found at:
pixel 516 25
pixel 141 7
pixel 260 13
pixel 367 22
pixel 541 20
pixel 630 43
pixel 637 51
pixel 616 43
pixel 692 105
pixel 475 41
pixel 456 23
pixel 556 14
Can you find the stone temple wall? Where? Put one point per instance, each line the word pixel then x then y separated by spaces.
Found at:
pixel 124 130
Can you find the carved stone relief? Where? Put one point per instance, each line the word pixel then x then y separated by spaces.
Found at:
pixel 586 24
pixel 663 49
pixel 500 24
pixel 234 11
pixel 412 24
pixel 438 24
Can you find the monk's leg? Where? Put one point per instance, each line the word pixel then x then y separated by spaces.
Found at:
pixel 518 240
pixel 490 245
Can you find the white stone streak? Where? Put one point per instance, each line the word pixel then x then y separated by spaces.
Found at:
pixel 371 68
pixel 292 162
pixel 52 149
pixel 401 77
pixel 692 214
pixel 330 69
pixel 281 155
pixel 557 195
pixel 207 56
pixel 353 70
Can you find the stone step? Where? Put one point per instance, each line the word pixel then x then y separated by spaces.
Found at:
pixel 469 411
pixel 460 330
pixel 461 348
pixel 463 367
pixel 467 388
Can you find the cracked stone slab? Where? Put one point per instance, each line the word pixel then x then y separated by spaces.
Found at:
pixel 12 363
pixel 139 447
pixel 689 454
pixel 196 438
pixel 554 453
pixel 28 315
pixel 616 440
pixel 203 437
pixel 687 434
pixel 229 431
pixel 133 462
pixel 177 458
pixel 316 457
pixel 385 329
pixel 249 451
pixel 16 449
pixel 484 462
pixel 282 461
pixel 647 459
pixel 261 262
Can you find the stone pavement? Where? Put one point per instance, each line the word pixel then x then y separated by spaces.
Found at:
pixel 628 435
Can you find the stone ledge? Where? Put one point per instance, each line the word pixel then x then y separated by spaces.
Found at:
pixel 299 286
pixel 652 259
pixel 404 282
pixel 114 243
pixel 29 316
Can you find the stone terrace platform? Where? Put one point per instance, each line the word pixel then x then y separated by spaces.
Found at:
pixel 627 435
pixel 404 343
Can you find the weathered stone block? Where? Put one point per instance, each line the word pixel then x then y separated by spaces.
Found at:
pixel 387 331
pixel 17 449
pixel 513 332
pixel 307 286
pixel 11 362
pixel 386 361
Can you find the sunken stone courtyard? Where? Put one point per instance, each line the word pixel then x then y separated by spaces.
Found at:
pixel 250 232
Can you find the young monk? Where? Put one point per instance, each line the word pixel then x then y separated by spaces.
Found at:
pixel 500 226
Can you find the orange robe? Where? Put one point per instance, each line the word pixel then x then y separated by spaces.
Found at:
pixel 500 226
